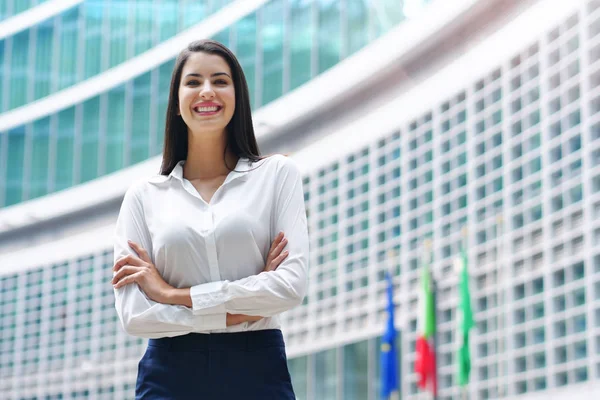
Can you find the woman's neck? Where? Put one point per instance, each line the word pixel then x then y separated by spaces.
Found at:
pixel 205 157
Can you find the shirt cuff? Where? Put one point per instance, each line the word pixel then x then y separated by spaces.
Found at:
pixel 210 322
pixel 208 298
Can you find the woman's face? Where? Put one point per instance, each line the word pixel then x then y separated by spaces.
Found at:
pixel 206 93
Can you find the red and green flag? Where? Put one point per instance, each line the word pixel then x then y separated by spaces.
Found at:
pixel 425 351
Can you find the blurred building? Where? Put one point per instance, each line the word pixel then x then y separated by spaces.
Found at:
pixel 410 119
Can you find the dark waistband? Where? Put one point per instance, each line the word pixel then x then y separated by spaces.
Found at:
pixel 248 340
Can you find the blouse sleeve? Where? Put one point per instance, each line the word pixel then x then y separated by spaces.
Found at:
pixel 139 315
pixel 273 292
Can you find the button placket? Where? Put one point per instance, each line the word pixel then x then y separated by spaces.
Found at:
pixel 211 246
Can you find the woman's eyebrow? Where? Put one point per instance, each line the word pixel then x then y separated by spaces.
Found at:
pixel 212 76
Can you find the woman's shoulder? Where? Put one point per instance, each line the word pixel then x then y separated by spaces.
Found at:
pixel 141 186
pixel 280 163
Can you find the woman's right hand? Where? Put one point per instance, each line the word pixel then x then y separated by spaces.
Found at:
pixel 275 257
pixel 276 254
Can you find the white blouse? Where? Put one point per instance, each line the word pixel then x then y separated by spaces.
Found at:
pixel 218 249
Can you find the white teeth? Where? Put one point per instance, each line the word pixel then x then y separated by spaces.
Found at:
pixel 206 109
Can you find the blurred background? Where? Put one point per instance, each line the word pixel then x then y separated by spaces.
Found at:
pixel 421 127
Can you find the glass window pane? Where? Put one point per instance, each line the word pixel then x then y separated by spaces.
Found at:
pixel 64 149
pixel 356 372
pixel 115 130
pixel 43 59
pixel 39 158
pixel 164 83
pixel 93 37
pixel 246 51
pixel 166 15
pixel 193 11
pixel 301 42
pixel 329 34
pixel 118 32
pixel 143 27
pixel 14 170
pixel 90 132
pixel 2 76
pixel 68 48
pixel 325 375
pixel 388 13
pixel 357 34
pixel 18 69
pixel 21 5
pixel 94 12
pixel 93 57
pixel 223 37
pixel 298 372
pixel 140 125
pixel 272 44
pixel 4 9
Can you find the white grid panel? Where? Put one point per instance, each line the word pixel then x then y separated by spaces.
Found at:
pixel 488 155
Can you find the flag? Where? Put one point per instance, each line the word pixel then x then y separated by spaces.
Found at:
pixel 465 320
pixel 425 354
pixel 389 362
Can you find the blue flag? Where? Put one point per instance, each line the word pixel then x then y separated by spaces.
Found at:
pixel 389 360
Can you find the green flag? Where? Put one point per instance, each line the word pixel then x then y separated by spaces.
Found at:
pixel 427 314
pixel 465 320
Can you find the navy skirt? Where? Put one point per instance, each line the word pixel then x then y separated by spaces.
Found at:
pixel 218 366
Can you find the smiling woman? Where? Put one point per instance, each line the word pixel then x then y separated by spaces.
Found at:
pixel 206 90
pixel 209 252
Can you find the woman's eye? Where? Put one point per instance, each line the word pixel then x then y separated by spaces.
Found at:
pixel 221 82
pixel 192 82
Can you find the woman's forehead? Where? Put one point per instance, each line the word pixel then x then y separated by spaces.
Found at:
pixel 204 63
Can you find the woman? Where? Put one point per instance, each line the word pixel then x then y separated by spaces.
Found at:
pixel 200 266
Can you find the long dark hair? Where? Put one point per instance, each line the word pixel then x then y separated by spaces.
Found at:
pixel 240 131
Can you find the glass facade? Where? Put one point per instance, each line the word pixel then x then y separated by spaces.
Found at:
pixel 88 39
pixel 126 125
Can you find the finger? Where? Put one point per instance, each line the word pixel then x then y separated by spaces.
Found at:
pixel 125 260
pixel 123 272
pixel 129 259
pixel 278 260
pixel 141 252
pixel 126 270
pixel 280 247
pixel 127 280
pixel 277 250
pixel 276 241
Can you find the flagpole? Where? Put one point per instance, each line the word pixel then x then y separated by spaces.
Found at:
pixel 465 234
pixel 434 289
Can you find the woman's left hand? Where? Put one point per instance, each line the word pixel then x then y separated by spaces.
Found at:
pixel 130 269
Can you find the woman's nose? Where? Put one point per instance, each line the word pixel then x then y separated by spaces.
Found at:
pixel 206 90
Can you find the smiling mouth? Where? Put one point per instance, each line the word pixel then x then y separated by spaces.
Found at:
pixel 207 110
